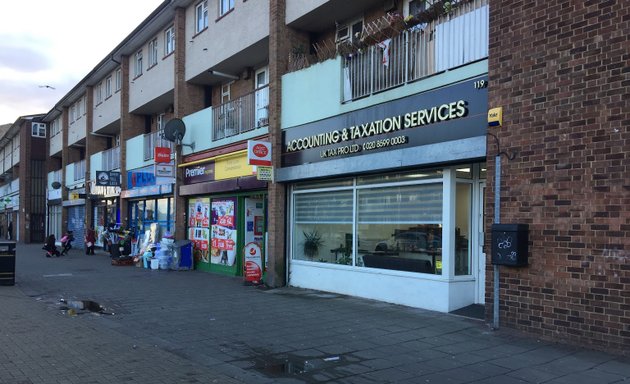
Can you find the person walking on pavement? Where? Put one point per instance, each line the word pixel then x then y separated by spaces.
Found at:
pixel 10 231
pixel 90 239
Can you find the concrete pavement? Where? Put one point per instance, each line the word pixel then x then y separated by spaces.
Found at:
pixel 194 327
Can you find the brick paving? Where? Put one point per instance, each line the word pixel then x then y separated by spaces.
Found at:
pixel 194 327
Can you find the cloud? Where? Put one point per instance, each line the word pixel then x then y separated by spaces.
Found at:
pixel 22 59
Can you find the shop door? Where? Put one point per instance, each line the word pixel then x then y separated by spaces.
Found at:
pixel 76 217
pixel 480 263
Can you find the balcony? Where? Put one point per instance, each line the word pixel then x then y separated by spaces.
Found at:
pixel 111 159
pixel 152 140
pixel 426 49
pixel 244 114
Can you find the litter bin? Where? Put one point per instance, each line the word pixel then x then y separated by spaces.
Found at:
pixel 7 262
pixel 184 250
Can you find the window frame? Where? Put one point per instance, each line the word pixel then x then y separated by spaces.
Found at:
pixel 225 7
pixel 152 53
pixel 98 93
pixel 108 86
pixel 118 79
pixel 38 130
pixel 138 64
pixel 201 16
pixel 169 40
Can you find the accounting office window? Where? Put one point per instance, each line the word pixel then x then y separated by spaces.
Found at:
pixel 398 221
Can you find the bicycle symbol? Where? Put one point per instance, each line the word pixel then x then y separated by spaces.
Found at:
pixel 506 243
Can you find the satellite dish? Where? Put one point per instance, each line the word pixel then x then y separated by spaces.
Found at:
pixel 56 185
pixel 174 130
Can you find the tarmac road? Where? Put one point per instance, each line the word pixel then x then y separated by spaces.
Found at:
pixel 168 327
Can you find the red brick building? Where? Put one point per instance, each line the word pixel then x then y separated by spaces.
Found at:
pixel 560 72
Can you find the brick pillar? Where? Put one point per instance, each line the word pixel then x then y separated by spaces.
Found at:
pixel 93 144
pixel 130 126
pixel 22 231
pixel 278 58
pixel 188 98
pixel 65 160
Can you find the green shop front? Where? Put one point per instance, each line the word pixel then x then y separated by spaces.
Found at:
pixel 226 215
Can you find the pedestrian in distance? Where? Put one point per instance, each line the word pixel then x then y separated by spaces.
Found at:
pixel 66 242
pixel 90 239
pixel 51 247
pixel 10 231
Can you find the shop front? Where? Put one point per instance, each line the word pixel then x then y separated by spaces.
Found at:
pixel 151 208
pixel 226 213
pixel 75 206
pixel 54 224
pixel 106 209
pixel 386 202
pixel 9 217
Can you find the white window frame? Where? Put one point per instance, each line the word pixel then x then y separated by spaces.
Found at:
pixel 225 6
pixel 160 121
pixel 108 87
pixel 38 130
pixel 201 16
pixel 138 64
pixel 226 92
pixel 153 53
pixel 55 127
pixel 345 33
pixel 98 93
pixel 169 41
pixel 118 79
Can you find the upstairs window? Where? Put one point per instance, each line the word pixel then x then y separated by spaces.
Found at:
pixel 38 130
pixel 138 64
pixel 225 6
pixel 349 32
pixel 153 53
pixel 118 79
pixel 169 41
pixel 108 87
pixel 98 93
pixel 201 12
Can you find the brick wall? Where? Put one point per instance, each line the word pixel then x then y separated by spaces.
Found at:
pixel 560 71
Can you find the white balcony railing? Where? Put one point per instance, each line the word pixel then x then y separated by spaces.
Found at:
pixel 111 159
pixel 79 170
pixel 448 42
pixel 244 114
pixel 152 140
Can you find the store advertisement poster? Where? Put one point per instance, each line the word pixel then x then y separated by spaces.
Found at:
pixel 254 231
pixel 223 243
pixel 199 213
pixel 253 262
pixel 198 228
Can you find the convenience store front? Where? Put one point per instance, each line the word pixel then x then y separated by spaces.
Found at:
pixel 226 212
pixel 386 202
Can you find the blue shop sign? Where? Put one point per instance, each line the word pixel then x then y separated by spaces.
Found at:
pixel 137 179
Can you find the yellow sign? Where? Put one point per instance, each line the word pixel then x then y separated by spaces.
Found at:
pixel 495 117
pixel 74 196
pixel 264 173
pixel 232 166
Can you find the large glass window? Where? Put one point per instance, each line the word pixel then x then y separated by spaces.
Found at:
pixel 323 226
pixel 394 221
pixel 400 228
